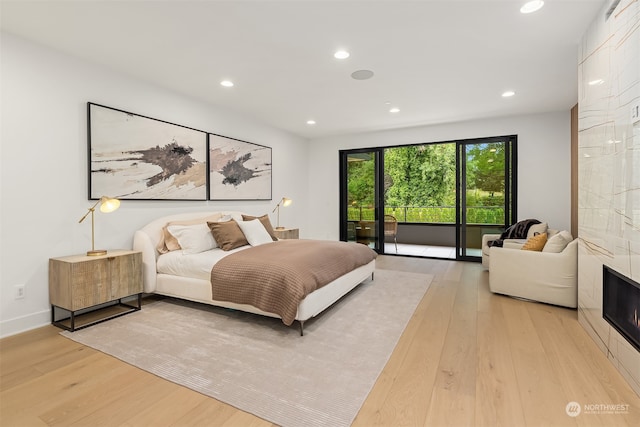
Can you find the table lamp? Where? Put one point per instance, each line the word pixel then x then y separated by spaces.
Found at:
pixel 107 204
pixel 284 202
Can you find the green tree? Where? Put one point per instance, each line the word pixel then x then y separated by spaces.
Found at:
pixel 423 178
pixel 420 175
pixel 486 162
pixel 360 185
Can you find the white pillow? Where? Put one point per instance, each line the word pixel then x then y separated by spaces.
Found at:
pixel 193 239
pixel 228 217
pixel 558 242
pixel 255 232
pixel 537 229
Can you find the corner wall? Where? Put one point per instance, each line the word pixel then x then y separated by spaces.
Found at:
pixel 43 167
pixel 609 173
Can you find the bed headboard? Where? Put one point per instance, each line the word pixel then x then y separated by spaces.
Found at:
pixel 146 240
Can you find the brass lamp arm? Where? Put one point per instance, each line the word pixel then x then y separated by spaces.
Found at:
pixel 90 210
pixel 284 202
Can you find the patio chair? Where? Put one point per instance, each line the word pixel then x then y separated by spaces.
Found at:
pixel 391 228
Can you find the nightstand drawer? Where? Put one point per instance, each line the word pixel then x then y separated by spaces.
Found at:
pixel 286 233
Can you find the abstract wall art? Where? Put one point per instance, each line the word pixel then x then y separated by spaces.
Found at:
pixel 238 170
pixel 140 158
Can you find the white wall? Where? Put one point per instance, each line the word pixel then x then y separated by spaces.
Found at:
pixel 544 164
pixel 43 175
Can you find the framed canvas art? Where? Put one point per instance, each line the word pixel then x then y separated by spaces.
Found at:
pixel 140 158
pixel 238 170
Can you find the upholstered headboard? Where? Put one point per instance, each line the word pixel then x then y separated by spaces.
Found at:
pixel 147 238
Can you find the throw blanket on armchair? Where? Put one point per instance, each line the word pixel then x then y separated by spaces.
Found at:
pixel 518 230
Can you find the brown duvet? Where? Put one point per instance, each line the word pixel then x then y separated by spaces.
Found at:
pixel 277 276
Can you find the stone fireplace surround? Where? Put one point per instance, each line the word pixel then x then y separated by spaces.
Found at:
pixel 609 172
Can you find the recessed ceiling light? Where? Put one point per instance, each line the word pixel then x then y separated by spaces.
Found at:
pixel 532 6
pixel 226 83
pixel 341 54
pixel 596 82
pixel 311 122
pixel 508 94
pixel 394 110
pixel 362 74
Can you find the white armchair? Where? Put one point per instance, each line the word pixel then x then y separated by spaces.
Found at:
pixel 508 243
pixel 540 276
pixel 511 243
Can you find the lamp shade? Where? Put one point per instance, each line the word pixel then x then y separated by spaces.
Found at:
pixel 108 205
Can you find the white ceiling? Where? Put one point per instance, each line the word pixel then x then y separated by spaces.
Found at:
pixel 438 61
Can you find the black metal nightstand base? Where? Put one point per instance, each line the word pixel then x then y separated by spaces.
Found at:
pixel 71 320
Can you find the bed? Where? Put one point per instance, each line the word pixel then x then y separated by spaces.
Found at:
pixel 178 274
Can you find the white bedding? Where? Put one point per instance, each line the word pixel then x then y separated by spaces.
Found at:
pixel 196 266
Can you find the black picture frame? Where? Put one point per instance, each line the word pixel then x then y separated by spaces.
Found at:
pixel 238 170
pixel 136 157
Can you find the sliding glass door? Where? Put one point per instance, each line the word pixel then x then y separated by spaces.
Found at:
pixel 440 197
pixel 360 197
pixel 486 192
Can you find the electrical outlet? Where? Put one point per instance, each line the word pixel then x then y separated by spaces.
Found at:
pixel 19 291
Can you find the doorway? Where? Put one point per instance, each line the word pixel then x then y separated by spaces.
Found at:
pixel 485 200
pixel 443 195
pixel 360 197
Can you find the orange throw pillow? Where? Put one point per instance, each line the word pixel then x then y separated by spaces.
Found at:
pixel 535 243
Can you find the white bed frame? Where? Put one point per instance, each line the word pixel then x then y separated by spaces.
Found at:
pixel 146 240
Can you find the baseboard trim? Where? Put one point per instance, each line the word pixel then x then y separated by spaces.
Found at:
pixel 24 323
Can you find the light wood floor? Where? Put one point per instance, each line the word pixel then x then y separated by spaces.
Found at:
pixel 467 357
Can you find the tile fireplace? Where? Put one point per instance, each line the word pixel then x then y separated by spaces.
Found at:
pixel 609 185
pixel 621 305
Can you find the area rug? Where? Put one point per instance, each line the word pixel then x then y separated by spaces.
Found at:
pixel 259 365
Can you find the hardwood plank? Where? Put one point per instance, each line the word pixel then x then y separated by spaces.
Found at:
pixel 542 396
pixel 600 369
pixel 243 419
pixel 486 300
pixel 168 410
pixel 497 394
pixel 453 398
pixel 407 379
pixel 453 272
pixel 570 365
pixel 208 413
pixel 45 346
pixel 129 392
pixel 71 382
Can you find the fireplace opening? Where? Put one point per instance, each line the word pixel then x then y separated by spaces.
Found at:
pixel 621 305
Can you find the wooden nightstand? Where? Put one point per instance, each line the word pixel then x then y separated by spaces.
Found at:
pixel 81 283
pixel 287 233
